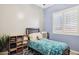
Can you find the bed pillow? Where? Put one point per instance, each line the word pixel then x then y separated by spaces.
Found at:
pixel 35 36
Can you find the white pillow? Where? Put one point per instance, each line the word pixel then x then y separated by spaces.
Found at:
pixel 35 36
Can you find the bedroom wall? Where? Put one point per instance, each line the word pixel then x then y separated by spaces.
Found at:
pixel 73 41
pixel 15 18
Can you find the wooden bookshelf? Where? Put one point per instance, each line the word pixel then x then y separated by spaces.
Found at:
pixel 17 44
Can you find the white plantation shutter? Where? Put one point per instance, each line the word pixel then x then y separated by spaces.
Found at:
pixel 66 21
pixel 57 22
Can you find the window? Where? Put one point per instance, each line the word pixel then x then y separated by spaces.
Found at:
pixel 66 21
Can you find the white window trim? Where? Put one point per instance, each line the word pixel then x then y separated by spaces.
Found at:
pixel 64 33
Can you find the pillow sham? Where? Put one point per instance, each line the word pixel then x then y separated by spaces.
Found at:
pixel 35 36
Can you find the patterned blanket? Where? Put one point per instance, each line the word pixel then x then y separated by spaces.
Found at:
pixel 48 47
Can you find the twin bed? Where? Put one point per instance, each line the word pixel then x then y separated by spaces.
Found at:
pixel 46 46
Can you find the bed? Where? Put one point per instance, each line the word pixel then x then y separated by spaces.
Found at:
pixel 47 47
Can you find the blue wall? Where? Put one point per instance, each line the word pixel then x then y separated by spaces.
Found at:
pixel 73 41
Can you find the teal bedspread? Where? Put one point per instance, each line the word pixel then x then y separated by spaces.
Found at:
pixel 48 47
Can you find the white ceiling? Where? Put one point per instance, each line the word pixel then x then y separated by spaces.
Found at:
pixel 44 5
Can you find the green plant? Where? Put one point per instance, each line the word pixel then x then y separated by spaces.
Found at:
pixel 4 40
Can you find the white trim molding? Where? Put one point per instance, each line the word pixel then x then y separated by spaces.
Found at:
pixel 75 52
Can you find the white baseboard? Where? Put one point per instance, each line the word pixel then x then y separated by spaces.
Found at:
pixel 73 51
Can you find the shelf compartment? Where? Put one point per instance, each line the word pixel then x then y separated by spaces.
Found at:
pixel 25 38
pixel 19 53
pixel 20 46
pixel 12 45
pixel 13 49
pixel 13 52
pixel 25 42
pixel 12 42
pixel 19 50
pixel 24 46
pixel 20 43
